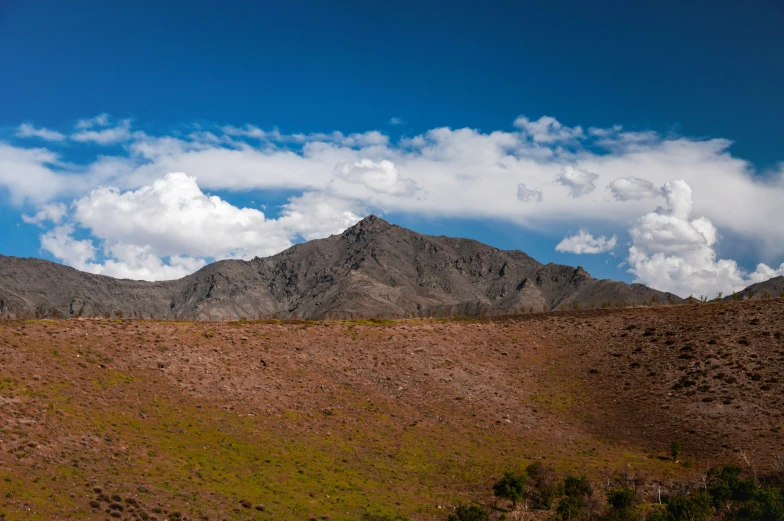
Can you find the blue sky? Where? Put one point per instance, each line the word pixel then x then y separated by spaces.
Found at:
pixel 671 92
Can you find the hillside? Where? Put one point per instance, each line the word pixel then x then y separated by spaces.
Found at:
pixel 770 288
pixel 372 269
pixel 334 420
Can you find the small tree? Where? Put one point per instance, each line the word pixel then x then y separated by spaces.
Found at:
pixel 675 450
pixel 544 484
pixel 511 486
pixel 575 490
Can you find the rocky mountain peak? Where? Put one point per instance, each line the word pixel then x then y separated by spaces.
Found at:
pixel 366 228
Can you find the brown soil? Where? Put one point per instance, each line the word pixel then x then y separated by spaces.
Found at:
pixel 394 417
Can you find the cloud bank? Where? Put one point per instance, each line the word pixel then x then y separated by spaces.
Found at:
pixel 133 210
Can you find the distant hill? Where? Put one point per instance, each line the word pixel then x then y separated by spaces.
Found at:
pixel 372 269
pixel 770 288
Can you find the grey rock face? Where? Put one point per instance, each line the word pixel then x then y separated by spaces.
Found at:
pixel 372 269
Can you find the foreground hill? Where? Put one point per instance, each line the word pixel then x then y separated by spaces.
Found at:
pixel 372 269
pixel 335 420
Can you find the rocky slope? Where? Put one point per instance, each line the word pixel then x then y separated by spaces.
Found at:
pixel 770 288
pixel 372 269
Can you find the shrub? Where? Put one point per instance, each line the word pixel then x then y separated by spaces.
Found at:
pixel 675 448
pixel 658 515
pixel 469 513
pixel 697 507
pixel 620 498
pixel 727 485
pixel 620 501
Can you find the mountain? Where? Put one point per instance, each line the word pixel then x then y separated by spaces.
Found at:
pixel 372 269
pixel 770 288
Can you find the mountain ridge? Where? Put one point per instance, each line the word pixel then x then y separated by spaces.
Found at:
pixel 373 268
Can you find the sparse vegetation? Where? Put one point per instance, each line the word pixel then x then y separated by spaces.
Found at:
pixel 469 513
pixel 675 449
pixel 204 415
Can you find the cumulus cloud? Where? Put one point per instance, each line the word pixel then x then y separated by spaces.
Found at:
pixel 670 252
pixel 381 176
pixel 584 242
pixel 124 261
pixel 396 121
pixel 579 182
pixel 170 228
pixel 53 213
pixel 26 130
pixel 632 188
pixel 527 195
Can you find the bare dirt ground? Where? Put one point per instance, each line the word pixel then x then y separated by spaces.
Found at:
pixel 334 420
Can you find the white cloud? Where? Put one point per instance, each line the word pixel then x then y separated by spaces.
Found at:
pixel 379 176
pixel 579 182
pixel 105 136
pixel 101 120
pixel 173 219
pixel 548 130
pixel 527 195
pixel 672 253
pixel 29 175
pixel 53 213
pixel 314 215
pixel 60 243
pixel 632 188
pixel 125 261
pixel 584 242
pixel 26 130
pixel 396 121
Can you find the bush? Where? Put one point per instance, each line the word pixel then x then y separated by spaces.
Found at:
pixel 766 505
pixel 675 450
pixel 620 501
pixel 658 515
pixel 728 486
pixel 469 513
pixel 696 507
pixel 620 498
